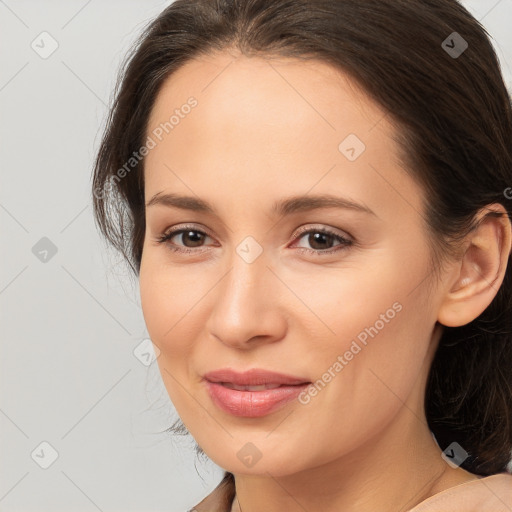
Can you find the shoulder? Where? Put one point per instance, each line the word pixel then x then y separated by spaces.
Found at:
pixel 220 499
pixel 485 494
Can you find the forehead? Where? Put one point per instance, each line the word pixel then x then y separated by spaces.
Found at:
pixel 262 124
pixel 291 89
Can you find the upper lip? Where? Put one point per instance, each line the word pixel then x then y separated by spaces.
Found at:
pixel 253 377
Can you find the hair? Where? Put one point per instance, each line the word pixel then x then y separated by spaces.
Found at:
pixel 454 121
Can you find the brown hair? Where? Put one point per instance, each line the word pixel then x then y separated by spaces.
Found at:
pixel 454 117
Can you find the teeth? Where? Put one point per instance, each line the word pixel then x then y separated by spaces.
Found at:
pixel 250 388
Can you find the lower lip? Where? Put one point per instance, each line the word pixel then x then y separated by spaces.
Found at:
pixel 252 404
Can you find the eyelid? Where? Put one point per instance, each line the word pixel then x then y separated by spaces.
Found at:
pixel 299 231
pixel 323 228
pixel 177 230
pixel 190 227
pixel 344 240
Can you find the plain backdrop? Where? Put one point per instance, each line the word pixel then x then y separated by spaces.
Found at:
pixel 82 410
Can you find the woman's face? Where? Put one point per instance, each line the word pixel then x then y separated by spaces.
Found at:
pixel 264 282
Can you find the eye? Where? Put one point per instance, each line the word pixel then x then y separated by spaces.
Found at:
pixel 321 239
pixel 189 235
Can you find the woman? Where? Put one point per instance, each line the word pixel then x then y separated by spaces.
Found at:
pixel 313 195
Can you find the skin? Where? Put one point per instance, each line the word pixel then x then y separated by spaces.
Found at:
pixel 263 130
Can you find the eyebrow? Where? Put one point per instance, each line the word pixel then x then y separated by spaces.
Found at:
pixel 283 207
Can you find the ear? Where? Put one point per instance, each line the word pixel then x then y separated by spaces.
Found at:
pixel 479 273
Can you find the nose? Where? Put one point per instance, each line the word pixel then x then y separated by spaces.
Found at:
pixel 247 309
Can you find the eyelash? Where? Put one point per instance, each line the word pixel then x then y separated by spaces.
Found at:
pixel 344 243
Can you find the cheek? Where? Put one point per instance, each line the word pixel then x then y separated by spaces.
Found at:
pixel 167 300
pixel 373 338
pixel 358 299
pixel 361 386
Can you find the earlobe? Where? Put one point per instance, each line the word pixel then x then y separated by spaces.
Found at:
pixel 479 274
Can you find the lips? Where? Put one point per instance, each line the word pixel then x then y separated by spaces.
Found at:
pixel 253 377
pixel 253 393
pixel 250 388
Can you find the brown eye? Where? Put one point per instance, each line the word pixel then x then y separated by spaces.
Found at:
pixel 190 238
pixel 320 241
pixel 323 241
pixel 186 239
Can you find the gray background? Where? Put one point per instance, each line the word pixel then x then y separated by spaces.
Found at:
pixel 71 324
